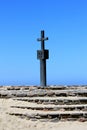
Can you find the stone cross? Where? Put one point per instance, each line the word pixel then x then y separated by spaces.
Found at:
pixel 42 55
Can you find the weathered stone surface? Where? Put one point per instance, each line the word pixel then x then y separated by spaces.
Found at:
pixel 51 103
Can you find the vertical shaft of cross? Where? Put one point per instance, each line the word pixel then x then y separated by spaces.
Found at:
pixel 42 40
pixel 42 55
pixel 42 63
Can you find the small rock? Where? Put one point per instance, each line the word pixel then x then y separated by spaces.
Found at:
pixel 82 119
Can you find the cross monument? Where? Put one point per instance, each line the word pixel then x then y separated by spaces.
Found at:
pixel 42 55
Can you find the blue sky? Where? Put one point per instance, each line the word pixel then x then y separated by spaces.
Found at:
pixel 64 22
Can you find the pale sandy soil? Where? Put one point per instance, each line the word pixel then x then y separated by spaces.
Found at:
pixel 8 122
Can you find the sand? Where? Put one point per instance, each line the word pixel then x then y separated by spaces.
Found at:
pixel 9 122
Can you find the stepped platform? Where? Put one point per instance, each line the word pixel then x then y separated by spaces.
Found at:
pixel 51 103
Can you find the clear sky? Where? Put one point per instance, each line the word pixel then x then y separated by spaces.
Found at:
pixel 64 22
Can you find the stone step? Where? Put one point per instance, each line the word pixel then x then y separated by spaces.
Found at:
pixel 64 87
pixel 4 93
pixel 55 100
pixel 39 87
pixel 55 91
pixel 50 115
pixel 54 108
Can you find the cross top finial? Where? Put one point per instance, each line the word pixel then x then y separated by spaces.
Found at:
pixel 42 37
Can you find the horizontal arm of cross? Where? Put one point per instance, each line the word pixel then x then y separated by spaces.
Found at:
pixel 42 39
